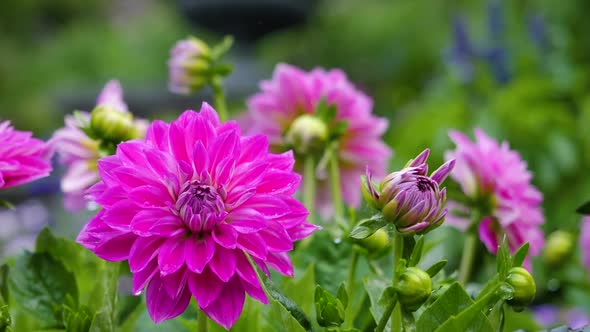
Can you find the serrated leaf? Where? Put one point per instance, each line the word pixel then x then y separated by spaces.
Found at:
pixel 39 284
pixel 367 227
pixel 301 290
pixel 520 255
pixel 448 304
pixel 417 252
pixel 342 295
pixel 584 208
pixel 436 267
pixel 503 262
pixel 292 308
pixel 329 310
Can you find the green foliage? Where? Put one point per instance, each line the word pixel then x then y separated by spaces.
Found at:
pixel 367 227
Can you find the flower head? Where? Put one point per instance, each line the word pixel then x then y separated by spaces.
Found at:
pixel 23 159
pixel 409 198
pixel 79 152
pixel 286 110
pixel 189 206
pixel 496 181
pixel 188 66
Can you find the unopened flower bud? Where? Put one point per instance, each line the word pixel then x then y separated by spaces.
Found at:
pixel 413 288
pixel 558 247
pixel 410 199
pixel 111 125
pixel 524 288
pixel 375 243
pixel 189 66
pixel 307 134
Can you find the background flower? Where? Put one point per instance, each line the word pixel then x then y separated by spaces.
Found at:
pixel 189 206
pixel 292 93
pixel 22 158
pixel 497 183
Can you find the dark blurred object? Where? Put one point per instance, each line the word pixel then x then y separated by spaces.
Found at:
pixel 246 20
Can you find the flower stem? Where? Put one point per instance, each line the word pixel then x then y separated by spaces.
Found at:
pixel 349 316
pixel 219 97
pixel 467 259
pixel 309 185
pixel 201 321
pixel 335 183
pixel 398 251
pixel 386 315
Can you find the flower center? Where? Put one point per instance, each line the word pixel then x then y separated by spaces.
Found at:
pixel 425 184
pixel 201 206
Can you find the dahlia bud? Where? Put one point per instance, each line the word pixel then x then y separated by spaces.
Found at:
pixel 410 199
pixel 111 125
pixel 376 243
pixel 189 66
pixel 524 288
pixel 558 247
pixel 307 134
pixel 413 288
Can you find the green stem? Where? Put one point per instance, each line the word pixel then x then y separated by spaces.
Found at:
pixel 349 316
pixel 335 183
pixel 469 250
pixel 201 322
pixel 309 182
pixel 398 252
pixel 386 315
pixel 219 97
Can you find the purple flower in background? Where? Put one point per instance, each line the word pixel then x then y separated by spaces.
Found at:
pixel 293 94
pixel 585 241
pixel 497 181
pixel 546 315
pixel 79 153
pixel 189 206
pixel 409 198
pixel 577 318
pixel 23 159
pixel 189 61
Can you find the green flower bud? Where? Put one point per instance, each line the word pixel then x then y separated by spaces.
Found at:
pixel 307 134
pixel 414 288
pixel 558 247
pixel 189 66
pixel 376 243
pixel 111 125
pixel 524 288
pixel 329 310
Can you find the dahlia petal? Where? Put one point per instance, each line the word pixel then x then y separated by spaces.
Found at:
pixel 176 282
pixel 276 238
pixel 171 256
pixel 143 251
pixel 200 158
pixel 198 253
pixel 150 196
pixel 253 244
pixel 280 261
pixel 225 235
pixel 283 161
pixel 268 205
pixel 245 269
pixel 117 248
pixel 246 220
pixel 119 216
pixel 178 142
pixel 279 182
pixel 443 171
pixel 223 263
pixel 227 307
pixel 140 279
pixel 156 222
pixel 226 145
pixel 209 113
pixel 157 135
pixel 205 287
pixel 302 231
pixel 255 291
pixel 160 305
pixel 487 234
pixel 253 148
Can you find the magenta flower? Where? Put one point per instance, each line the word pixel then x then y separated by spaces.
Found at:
pixel 23 159
pixel 585 241
pixel 80 153
pixel 409 198
pixel 188 64
pixel 294 95
pixel 497 182
pixel 188 206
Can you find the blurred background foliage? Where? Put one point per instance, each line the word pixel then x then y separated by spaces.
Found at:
pixel 518 69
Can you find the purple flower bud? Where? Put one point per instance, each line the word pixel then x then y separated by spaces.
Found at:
pixel 410 199
pixel 188 66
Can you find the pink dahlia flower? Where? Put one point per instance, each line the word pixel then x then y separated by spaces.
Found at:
pixel 496 180
pixel 79 152
pixel 585 241
pixel 23 159
pixel 188 206
pixel 293 94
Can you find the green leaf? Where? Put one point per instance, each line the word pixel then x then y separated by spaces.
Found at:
pixel 448 304
pixel 4 284
pixel 342 295
pixel 436 267
pixel 301 290
pixel 375 288
pixel 367 227
pixel 220 49
pixel 503 262
pixel 520 255
pixel 329 309
pixel 584 208
pixel 6 204
pixel 496 316
pixel 5 319
pixel 278 318
pixel 40 284
pixel 104 298
pixel 77 320
pixel 287 303
pixel 417 252
pixel 126 306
